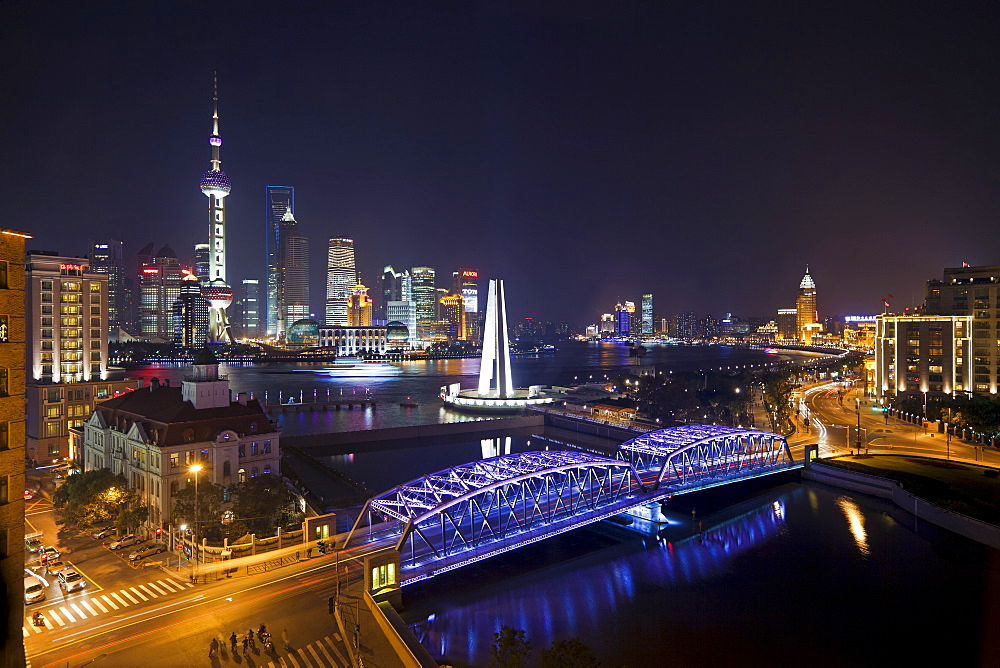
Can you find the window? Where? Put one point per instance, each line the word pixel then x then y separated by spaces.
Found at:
pixel 53 411
pixel 4 444
pixel 267 469
pixel 253 449
pixel 253 427
pixel 3 381
pixel 242 475
pixel 227 470
pixel 95 322
pixel 4 485
pixel 267 446
pixel 383 576
pixel 46 309
pixel 227 494
pixel 173 488
pixel 175 460
pixel 253 472
pixel 241 451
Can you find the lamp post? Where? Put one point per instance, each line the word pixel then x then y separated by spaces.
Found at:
pixel 196 468
pixel 857 409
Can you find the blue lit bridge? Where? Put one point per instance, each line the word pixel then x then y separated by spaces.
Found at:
pixel 470 512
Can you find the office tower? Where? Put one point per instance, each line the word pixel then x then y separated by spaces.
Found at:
pixel 424 300
pixel 647 314
pixel 67 354
pixel 250 309
pixel 159 287
pixel 390 289
pixel 202 269
pixel 709 326
pixel 215 185
pixel 190 314
pixel 453 313
pixel 293 274
pixel 607 323
pixel 622 319
pixel 277 200
pixel 107 258
pixel 466 283
pixel 787 322
pixel 341 277
pixel 402 313
pixel 359 307
pixel 12 450
pixel 805 305
pixel 687 325
pixel 917 355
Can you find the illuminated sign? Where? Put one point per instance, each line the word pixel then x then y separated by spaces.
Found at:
pixel 470 274
pixel 71 267
pixel 150 271
pixel 859 318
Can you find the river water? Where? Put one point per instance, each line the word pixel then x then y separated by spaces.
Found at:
pixel 421 381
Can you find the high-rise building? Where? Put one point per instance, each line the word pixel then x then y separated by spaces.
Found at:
pixel 926 354
pixel 359 307
pixel 293 274
pixel 190 314
pixel 67 355
pixel 787 322
pixel 12 451
pixel 687 325
pixel 277 200
pixel 466 283
pixel 424 298
pixel 341 277
pixel 402 312
pixel 202 263
pixel 805 306
pixel 453 313
pixel 622 320
pixel 608 323
pixel 159 287
pixel 215 185
pixel 249 309
pixel 647 314
pixel 107 258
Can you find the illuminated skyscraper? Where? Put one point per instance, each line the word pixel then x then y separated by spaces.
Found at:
pixel 341 277
pixel 424 298
pixel 190 314
pixel 359 307
pixel 159 288
pixel 202 270
pixel 647 314
pixel 466 283
pixel 250 308
pixel 453 313
pixel 805 306
pixel 107 258
pixel 277 200
pixel 215 185
pixel 293 274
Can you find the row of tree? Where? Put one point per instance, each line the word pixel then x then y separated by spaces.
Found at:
pixel 256 506
pixel 511 649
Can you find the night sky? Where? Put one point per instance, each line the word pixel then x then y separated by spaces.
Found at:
pixel 585 152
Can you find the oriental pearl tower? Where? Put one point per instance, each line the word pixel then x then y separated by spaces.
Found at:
pixel 215 184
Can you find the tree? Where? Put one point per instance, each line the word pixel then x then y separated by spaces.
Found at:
pixel 91 497
pixel 264 503
pixel 209 509
pixel 510 649
pixel 569 654
pixel 132 512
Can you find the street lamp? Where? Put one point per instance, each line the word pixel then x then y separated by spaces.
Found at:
pixel 196 468
pixel 857 409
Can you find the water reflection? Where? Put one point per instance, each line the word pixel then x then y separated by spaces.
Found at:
pixel 855 523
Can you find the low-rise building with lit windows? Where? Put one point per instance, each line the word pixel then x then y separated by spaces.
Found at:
pixel 918 354
pixel 349 341
pixel 154 435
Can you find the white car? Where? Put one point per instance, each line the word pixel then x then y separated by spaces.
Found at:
pixel 70 580
pixel 125 541
pixel 34 591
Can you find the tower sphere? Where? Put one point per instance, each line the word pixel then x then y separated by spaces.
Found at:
pixel 218 293
pixel 215 183
pixel 215 140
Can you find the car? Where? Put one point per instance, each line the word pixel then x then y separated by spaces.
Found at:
pixel 48 552
pixel 125 541
pixel 102 533
pixel 55 566
pixel 148 551
pixel 33 590
pixel 29 494
pixel 33 543
pixel 71 580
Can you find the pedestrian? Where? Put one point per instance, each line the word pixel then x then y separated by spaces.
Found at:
pixel 246 645
pixel 284 639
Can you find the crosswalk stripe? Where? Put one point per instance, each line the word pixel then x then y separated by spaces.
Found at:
pixel 322 648
pixel 80 612
pixel 69 615
pixel 110 602
pixel 319 661
pixel 291 660
pixel 99 604
pixel 153 586
pixel 175 583
pixel 128 596
pixel 341 659
pixel 24 629
pixel 52 613
pixel 166 586
pixel 136 592
pixel 89 607
pixel 143 587
pixel 120 600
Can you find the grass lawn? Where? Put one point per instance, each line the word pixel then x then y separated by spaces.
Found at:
pixel 963 488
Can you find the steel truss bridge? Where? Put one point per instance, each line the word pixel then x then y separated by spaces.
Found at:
pixel 470 512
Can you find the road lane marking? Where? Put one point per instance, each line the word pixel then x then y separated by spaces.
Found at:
pixel 87 605
pixel 137 593
pixel 52 613
pixel 149 591
pixel 291 659
pixel 24 630
pixel 128 596
pixel 120 600
pixel 99 604
pixel 155 588
pixel 341 659
pixel 166 586
pixel 322 648
pixel 77 569
pixel 110 602
pixel 79 612
pixel 69 615
pixel 312 650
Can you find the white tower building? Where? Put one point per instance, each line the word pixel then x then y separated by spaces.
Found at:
pixel 215 185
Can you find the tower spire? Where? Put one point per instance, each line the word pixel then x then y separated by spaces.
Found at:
pixel 215 104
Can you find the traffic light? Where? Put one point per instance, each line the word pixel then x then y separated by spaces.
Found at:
pixel 329 603
pixel 159 532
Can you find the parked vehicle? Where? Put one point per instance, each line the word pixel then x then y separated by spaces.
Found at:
pixel 125 541
pixel 102 532
pixel 148 551
pixel 33 590
pixel 33 541
pixel 29 494
pixel 55 566
pixel 70 580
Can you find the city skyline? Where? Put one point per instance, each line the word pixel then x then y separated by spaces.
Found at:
pixel 532 137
